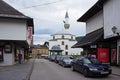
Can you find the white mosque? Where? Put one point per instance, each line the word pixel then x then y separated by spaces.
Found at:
pixel 65 40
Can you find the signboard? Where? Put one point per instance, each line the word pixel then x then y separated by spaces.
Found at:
pixel 8 48
pixel 30 36
pixel 113 55
pixel 103 54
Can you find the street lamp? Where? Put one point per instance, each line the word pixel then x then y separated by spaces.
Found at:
pixel 114 30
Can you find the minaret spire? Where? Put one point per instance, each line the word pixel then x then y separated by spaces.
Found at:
pixel 66 22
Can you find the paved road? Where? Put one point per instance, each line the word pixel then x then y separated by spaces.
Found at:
pixel 46 70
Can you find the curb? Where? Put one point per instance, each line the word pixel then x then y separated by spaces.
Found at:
pixel 30 72
pixel 115 74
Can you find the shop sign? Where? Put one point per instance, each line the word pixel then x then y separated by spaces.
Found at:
pixel 8 48
pixel 93 46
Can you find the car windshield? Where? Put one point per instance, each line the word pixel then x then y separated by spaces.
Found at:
pixel 91 60
pixel 94 60
pixel 66 58
pixel 86 60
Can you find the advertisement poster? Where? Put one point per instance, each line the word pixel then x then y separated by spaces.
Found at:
pixel 113 55
pixel 103 54
pixel 1 54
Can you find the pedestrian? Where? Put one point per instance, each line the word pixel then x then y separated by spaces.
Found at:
pixel 20 58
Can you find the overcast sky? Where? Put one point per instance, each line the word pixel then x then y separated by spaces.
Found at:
pixel 49 15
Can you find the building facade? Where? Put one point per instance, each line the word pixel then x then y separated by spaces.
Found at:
pixel 14 29
pixel 103 15
pixel 65 40
pixel 40 51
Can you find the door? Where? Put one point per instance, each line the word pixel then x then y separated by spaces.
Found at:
pixel 1 54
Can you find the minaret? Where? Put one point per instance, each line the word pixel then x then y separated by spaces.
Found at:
pixel 66 22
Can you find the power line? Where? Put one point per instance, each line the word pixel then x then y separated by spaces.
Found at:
pixel 48 3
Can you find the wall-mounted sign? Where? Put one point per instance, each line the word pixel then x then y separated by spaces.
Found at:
pixel 30 36
pixel 93 46
pixel 103 54
pixel 8 48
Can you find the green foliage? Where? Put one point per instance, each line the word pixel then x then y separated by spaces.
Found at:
pixel 75 56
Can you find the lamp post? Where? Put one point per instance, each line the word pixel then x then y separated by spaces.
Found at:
pixel 114 30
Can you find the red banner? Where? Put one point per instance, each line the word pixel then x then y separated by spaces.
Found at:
pixel 103 54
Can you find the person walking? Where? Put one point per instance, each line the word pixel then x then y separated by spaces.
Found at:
pixel 20 58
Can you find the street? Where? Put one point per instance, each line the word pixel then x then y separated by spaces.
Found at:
pixel 46 70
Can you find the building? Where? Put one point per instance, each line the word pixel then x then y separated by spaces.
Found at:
pixel 16 31
pixel 103 29
pixel 64 40
pixel 40 50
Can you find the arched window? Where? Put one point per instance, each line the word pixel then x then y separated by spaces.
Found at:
pixel 62 42
pixel 66 47
pixel 66 53
pixel 62 36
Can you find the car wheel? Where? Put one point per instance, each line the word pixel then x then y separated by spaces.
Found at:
pixel 85 73
pixel 72 68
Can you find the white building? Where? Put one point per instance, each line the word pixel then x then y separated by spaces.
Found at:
pixel 65 40
pixel 16 34
pixel 103 18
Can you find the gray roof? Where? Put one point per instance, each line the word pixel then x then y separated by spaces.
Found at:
pixel 56 47
pixel 8 11
pixel 98 6
pixel 66 16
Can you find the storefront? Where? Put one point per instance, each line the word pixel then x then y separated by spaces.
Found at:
pixel 95 45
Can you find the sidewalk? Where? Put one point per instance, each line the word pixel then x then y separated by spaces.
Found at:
pixel 17 72
pixel 115 70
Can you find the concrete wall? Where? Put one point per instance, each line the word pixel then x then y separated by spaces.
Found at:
pixel 111 17
pixel 94 22
pixel 13 29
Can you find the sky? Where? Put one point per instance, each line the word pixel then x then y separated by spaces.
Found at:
pixel 48 15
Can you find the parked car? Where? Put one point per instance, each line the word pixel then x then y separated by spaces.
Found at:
pixel 90 66
pixel 52 57
pixel 57 58
pixel 65 61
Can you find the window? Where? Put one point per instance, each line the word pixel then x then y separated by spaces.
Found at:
pixel 62 36
pixel 62 42
pixel 66 47
pixel 72 37
pixel 66 53
pixel 53 37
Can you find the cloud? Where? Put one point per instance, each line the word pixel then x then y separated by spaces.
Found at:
pixel 43 31
pixel 40 39
pixel 48 19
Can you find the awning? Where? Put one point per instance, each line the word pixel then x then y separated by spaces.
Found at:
pixel 90 38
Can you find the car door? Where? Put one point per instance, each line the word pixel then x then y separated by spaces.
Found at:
pixel 80 65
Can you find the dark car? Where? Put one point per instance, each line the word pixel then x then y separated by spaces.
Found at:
pixel 90 66
pixel 65 61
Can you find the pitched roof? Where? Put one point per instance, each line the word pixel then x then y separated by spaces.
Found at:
pixel 7 11
pixel 98 6
pixel 90 38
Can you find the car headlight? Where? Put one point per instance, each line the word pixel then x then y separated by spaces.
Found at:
pixel 93 69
